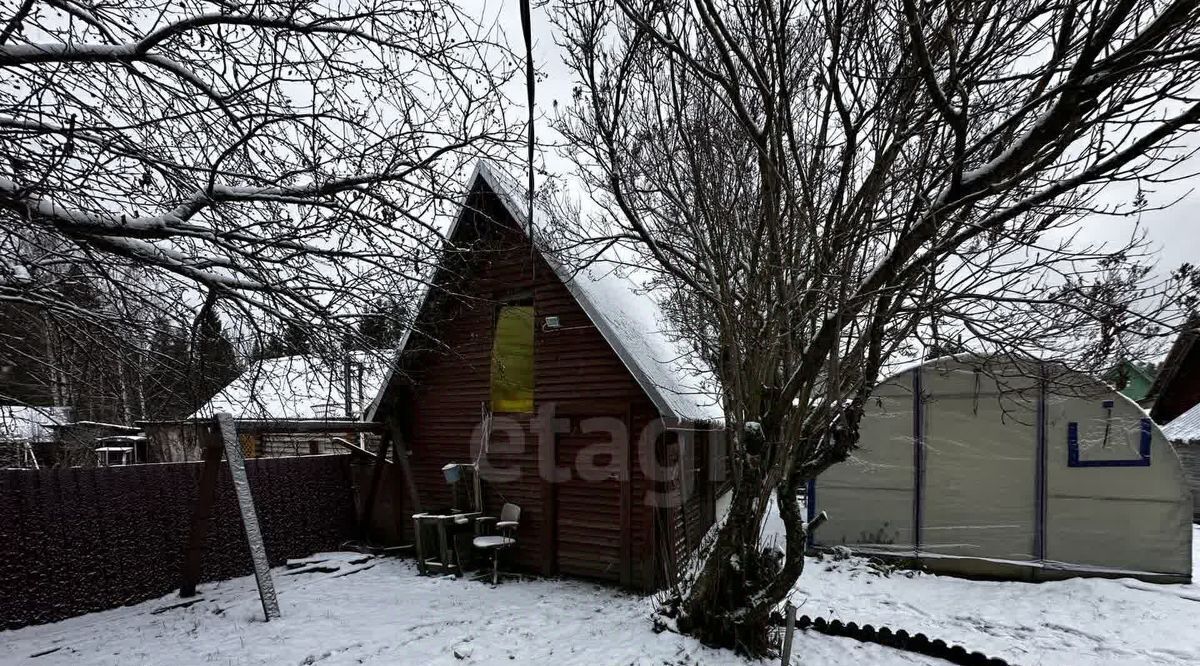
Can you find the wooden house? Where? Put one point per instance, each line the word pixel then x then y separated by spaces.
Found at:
pixel 567 389
pixel 1184 433
pixel 1132 379
pixel 1176 395
pixel 1176 389
pixel 284 406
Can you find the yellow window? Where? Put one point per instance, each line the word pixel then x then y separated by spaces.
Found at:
pixel 512 360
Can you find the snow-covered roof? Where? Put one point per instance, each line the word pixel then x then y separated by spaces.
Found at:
pixel 1185 427
pixel 301 387
pixel 629 317
pixel 31 424
pixel 633 323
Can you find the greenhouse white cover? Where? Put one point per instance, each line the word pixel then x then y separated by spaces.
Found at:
pixel 1009 469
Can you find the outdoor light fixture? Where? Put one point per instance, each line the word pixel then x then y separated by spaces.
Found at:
pixel 552 323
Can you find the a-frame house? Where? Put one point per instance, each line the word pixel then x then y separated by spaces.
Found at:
pixel 507 330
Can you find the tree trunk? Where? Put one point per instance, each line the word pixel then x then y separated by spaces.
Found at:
pixel 126 396
pixel 730 601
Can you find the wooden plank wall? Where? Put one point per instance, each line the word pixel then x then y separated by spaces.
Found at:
pixel 692 508
pixel 1183 391
pixel 573 365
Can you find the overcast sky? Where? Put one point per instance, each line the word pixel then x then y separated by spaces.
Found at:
pixel 1173 233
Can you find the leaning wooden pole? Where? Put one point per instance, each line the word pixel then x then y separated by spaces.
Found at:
pixel 241 487
pixel 400 454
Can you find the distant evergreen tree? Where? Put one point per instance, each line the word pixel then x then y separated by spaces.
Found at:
pixel 293 340
pixel 83 357
pixel 266 345
pixel 214 363
pixel 296 340
pixel 168 374
pixel 102 359
pixel 22 343
pixel 383 326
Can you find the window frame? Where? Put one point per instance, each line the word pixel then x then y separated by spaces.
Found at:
pixel 515 299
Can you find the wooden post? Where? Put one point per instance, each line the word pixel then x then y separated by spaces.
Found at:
pixel 400 455
pixel 202 516
pixel 373 491
pixel 785 654
pixel 420 544
pixel 241 486
pixel 549 496
pixel 626 481
pixel 443 545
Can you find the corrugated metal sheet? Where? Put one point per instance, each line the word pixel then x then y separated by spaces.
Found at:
pixel 78 540
pixel 1189 458
pixel 1185 427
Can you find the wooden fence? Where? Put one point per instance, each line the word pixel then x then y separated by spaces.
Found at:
pixel 76 540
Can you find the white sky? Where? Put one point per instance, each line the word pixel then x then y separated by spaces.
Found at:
pixel 1174 233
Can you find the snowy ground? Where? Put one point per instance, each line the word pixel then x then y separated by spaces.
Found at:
pixel 381 612
pixel 1077 621
pixel 387 614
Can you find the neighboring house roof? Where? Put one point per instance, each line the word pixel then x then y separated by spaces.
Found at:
pixel 1138 379
pixel 1168 372
pixel 31 424
pixel 300 387
pixel 1185 427
pixel 628 316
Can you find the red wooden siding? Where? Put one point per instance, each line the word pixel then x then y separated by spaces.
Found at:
pixel 602 529
pixel 1183 391
pixel 587 520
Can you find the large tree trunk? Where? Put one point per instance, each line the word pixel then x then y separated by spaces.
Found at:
pixel 729 603
pixel 740 583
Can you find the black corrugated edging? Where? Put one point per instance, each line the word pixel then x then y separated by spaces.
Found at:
pixel 899 639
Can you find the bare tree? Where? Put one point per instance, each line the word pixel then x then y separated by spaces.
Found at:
pixel 284 160
pixel 829 186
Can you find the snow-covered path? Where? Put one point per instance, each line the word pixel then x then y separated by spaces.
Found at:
pixel 381 612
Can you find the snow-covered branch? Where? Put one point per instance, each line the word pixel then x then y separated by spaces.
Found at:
pixel 295 160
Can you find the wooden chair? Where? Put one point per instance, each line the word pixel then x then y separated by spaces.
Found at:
pixel 503 534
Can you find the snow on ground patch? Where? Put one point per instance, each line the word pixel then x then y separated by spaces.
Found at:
pixel 338 609
pixel 387 614
pixel 1076 621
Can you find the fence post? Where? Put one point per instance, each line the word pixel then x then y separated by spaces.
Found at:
pixel 785 655
pixel 202 516
pixel 368 512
